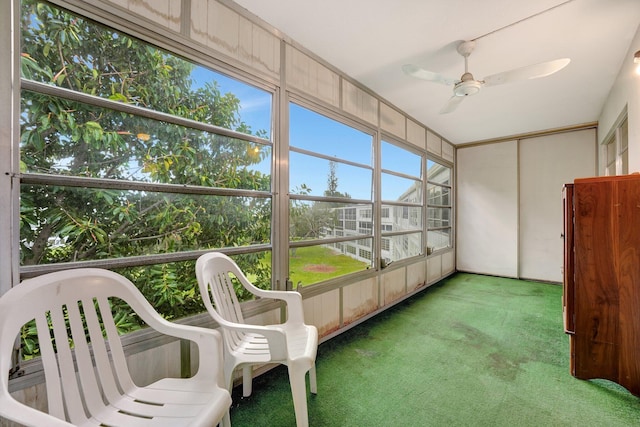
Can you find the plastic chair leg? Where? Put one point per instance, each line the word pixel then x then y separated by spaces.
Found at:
pixel 313 385
pixel 297 377
pixel 247 380
pixel 228 378
pixel 226 421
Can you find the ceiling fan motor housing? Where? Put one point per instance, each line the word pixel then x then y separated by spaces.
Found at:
pixel 467 86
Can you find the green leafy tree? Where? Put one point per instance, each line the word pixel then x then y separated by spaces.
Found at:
pixel 64 137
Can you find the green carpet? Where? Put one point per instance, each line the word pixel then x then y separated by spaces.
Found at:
pixel 470 351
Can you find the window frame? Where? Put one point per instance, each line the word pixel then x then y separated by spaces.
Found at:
pixel 615 147
pixel 350 216
pixel 190 54
pixel 450 206
pixel 403 237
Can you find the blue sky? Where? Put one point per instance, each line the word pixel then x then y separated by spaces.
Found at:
pixel 255 104
pixel 315 132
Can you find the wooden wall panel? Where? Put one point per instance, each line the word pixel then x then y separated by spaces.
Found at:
pixel 199 18
pixel 359 299
pixel 246 40
pixel 122 3
pixel 416 275
pixel 448 262
pixel 434 143
pixel 225 31
pixel 434 268
pixel 359 103
pixel 393 285
pixel 166 13
pixel 323 311
pixel 311 77
pixel 447 151
pixel 416 134
pixel 264 53
pixel 392 120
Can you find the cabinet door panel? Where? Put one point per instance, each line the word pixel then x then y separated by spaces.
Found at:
pixel 606 289
pixel 597 302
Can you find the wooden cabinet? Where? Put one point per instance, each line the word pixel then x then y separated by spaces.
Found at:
pixel 601 298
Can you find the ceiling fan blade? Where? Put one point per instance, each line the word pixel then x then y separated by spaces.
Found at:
pixel 419 73
pixel 451 104
pixel 526 73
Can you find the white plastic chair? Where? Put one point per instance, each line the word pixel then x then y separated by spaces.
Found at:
pixel 87 386
pixel 292 343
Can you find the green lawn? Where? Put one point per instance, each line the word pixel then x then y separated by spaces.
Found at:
pixel 315 264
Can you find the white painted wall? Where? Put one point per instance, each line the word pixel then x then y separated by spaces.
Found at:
pixel 487 209
pixel 546 164
pixel 625 92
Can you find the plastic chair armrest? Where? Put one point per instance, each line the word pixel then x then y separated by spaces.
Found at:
pixel 209 341
pixel 293 300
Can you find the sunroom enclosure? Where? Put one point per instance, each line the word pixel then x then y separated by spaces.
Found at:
pixel 138 135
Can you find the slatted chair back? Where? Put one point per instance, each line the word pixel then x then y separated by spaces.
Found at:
pixel 87 377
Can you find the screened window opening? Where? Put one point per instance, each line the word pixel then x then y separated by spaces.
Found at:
pixel 134 158
pixel 617 153
pixel 402 208
pixel 439 219
pixel 331 202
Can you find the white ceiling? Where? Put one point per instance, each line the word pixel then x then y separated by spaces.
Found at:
pixel 370 40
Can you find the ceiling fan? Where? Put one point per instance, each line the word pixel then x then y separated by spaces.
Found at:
pixel 467 85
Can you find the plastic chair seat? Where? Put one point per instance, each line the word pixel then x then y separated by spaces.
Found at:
pixel 88 383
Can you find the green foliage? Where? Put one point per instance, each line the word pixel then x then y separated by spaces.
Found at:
pixel 63 137
pixel 125 321
pixel 309 219
pixel 303 223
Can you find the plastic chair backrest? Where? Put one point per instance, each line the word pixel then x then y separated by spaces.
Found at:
pixel 75 304
pixel 220 273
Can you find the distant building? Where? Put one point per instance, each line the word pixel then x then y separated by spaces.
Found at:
pixel 357 220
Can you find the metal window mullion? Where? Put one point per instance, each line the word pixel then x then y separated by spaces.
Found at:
pixel 439 184
pixel 402 232
pixel 401 204
pixel 9 140
pixel 315 242
pixel 329 199
pixel 330 158
pixel 96 101
pixel 402 175
pixel 424 161
pixel 280 180
pixel 116 184
pixel 136 261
